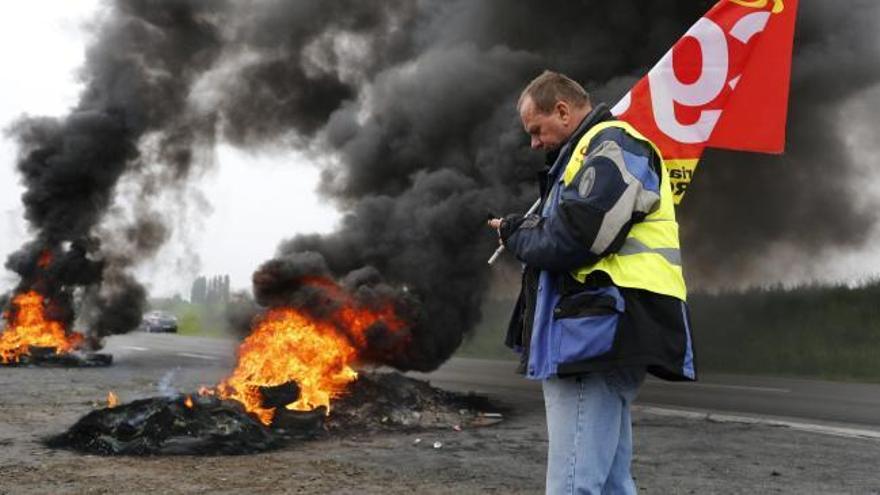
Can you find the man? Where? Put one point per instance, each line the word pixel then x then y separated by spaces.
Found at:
pixel 603 297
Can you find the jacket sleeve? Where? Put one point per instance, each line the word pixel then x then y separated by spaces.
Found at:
pixel 617 185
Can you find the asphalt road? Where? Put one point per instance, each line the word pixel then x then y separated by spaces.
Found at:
pixel 810 401
pixel 680 447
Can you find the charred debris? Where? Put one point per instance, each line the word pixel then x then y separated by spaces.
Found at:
pixel 49 357
pixel 207 425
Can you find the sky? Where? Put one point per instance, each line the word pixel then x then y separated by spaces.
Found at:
pixel 228 229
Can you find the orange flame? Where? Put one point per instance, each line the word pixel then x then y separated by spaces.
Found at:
pixel 286 345
pixel 290 345
pixel 31 328
pixel 112 400
pixel 188 402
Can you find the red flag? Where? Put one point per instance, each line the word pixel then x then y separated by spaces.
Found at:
pixel 724 84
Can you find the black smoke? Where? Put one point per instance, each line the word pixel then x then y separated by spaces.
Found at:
pixel 409 107
pixel 137 74
pixel 433 142
pixel 430 144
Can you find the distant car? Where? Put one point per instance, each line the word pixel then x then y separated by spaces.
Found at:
pixel 159 322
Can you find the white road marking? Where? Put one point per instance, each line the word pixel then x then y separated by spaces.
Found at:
pixel 721 386
pixel 198 356
pixel 135 348
pixel 837 431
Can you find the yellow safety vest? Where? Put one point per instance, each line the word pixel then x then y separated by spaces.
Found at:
pixel 650 257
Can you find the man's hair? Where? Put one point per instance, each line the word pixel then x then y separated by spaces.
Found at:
pixel 550 87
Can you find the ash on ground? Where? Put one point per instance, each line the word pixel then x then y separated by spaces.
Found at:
pixel 48 357
pixel 206 425
pixel 378 401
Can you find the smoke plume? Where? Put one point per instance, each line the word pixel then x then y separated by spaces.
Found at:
pixel 432 142
pixel 409 107
pixel 137 76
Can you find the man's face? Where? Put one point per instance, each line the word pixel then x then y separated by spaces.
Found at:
pixel 547 130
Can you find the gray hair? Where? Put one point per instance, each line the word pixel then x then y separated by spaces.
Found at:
pixel 550 87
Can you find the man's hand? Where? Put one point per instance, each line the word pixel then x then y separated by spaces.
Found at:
pixel 495 223
pixel 507 226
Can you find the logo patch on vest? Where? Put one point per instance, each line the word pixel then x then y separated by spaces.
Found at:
pixel 588 178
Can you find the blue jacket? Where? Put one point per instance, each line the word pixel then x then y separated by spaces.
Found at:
pixel 564 327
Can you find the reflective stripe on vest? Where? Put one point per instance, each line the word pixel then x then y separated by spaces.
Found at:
pixel 650 257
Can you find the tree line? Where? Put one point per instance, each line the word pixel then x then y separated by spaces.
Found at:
pixel 815 331
pixel 210 290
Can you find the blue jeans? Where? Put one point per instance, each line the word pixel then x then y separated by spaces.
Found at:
pixel 590 432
